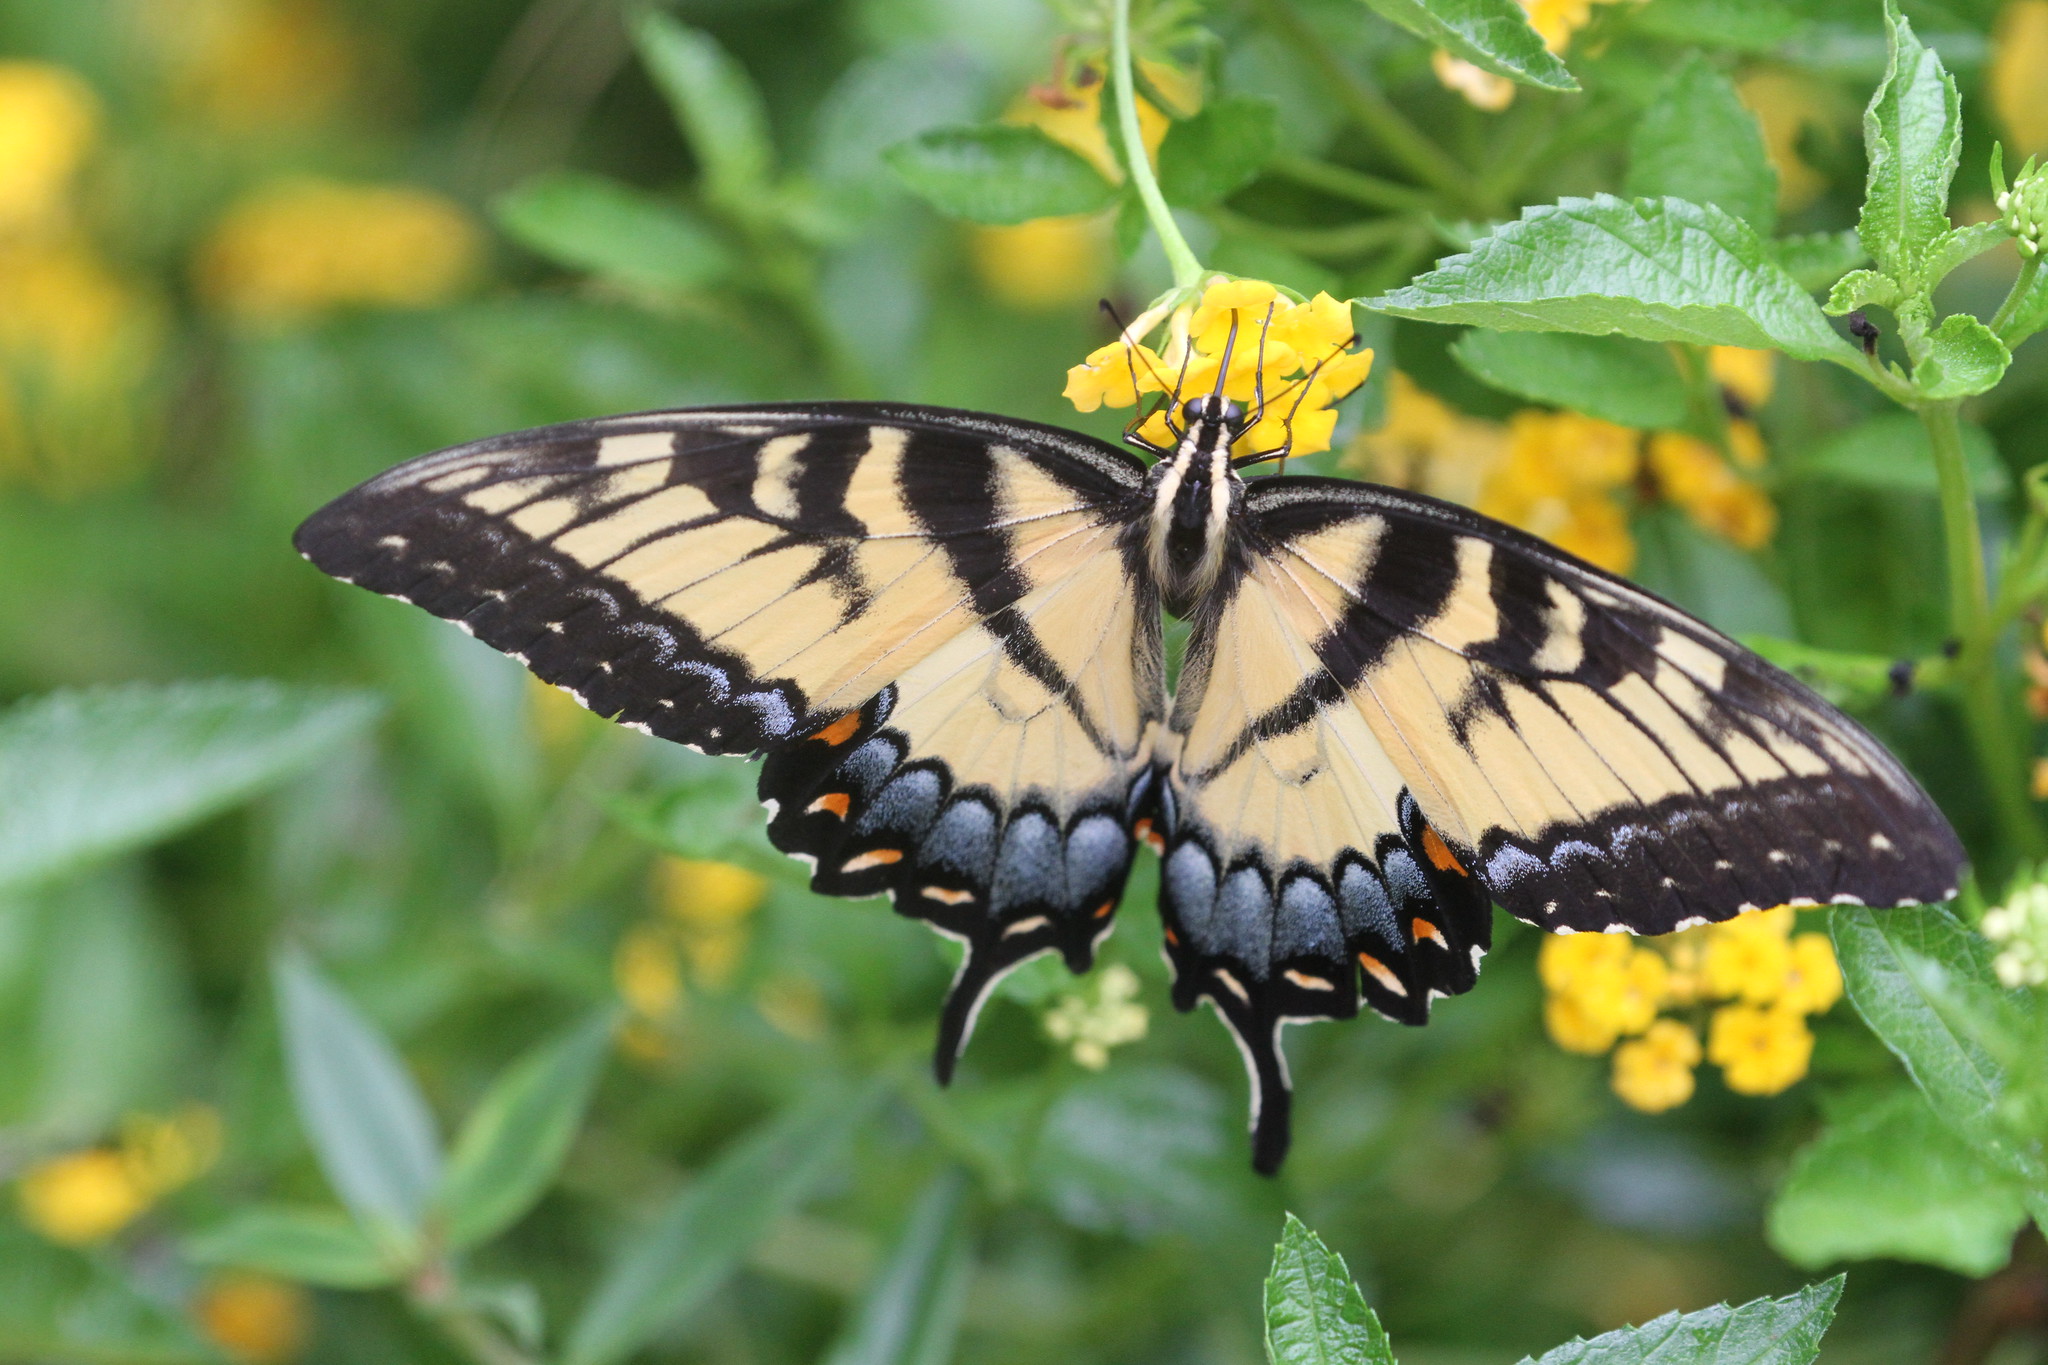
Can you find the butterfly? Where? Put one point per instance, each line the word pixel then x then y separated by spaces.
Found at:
pixel 942 633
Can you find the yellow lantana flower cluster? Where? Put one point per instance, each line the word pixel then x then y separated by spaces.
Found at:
pixel 1290 353
pixel 1753 980
pixel 1103 1014
pixel 255 1319
pixel 88 1195
pixel 1570 478
pixel 2020 929
pixel 1555 21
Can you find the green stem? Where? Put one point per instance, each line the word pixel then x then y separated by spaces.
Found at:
pixel 1372 111
pixel 1344 183
pixel 1356 239
pixel 2001 321
pixel 433 1297
pixel 1187 270
pixel 1985 713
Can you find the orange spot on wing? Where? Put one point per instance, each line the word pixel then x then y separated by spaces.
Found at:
pixel 880 857
pixel 841 730
pixel 1102 910
pixel 1380 972
pixel 1439 853
pixel 1148 836
pixel 834 802
pixel 1423 929
pixel 1173 938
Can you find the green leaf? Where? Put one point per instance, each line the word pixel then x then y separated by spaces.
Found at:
pixel 1218 151
pixel 1892 452
pixel 1912 135
pixel 1861 289
pixel 910 1314
pixel 1742 25
pixel 666 1271
pixel 1817 259
pixel 589 222
pixel 1698 142
pixel 716 104
pixel 995 173
pixel 1903 970
pixel 310 1246
pixel 367 1121
pixel 1893 1181
pixel 1655 269
pixel 1634 383
pixel 1961 244
pixel 1314 1312
pixel 85 776
pixel 1493 34
pixel 2032 314
pixel 513 1144
pixel 1964 357
pixel 1783 1331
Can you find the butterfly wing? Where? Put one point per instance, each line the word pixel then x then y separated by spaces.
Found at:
pixel 923 618
pixel 1402 710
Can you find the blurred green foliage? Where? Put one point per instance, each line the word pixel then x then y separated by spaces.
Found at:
pixel 380 1006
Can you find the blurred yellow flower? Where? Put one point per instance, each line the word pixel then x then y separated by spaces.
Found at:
pixel 1290 353
pixel 1761 1050
pixel 1427 445
pixel 560 723
pixel 1103 1014
pixel 647 972
pixel 1706 488
pixel 1068 109
pixel 710 902
pixel 1786 104
pixel 301 246
pixel 1602 987
pixel 1747 959
pixel 49 119
pixel 253 66
pixel 1566 961
pixel 1576 1025
pixel 2017 81
pixel 1813 980
pixel 1045 264
pixel 1558 479
pixel 1555 21
pixel 82 1197
pixel 1653 1073
pixel 86 1196
pixel 253 1318
pixel 1749 375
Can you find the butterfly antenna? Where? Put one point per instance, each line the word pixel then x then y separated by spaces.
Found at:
pixel 1302 383
pixel 1223 369
pixel 1259 374
pixel 1130 360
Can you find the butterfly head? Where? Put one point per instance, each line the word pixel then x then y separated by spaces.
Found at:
pixel 1212 410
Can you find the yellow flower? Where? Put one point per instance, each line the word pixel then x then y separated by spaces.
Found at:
pixel 1693 476
pixel 1576 1025
pixel 647 973
pixel 48 121
pixel 2019 92
pixel 253 1318
pixel 1749 958
pixel 1557 480
pixel 1685 952
pixel 82 1197
pixel 1601 986
pixel 1291 354
pixel 1786 105
pixel 1102 1015
pixel 253 66
pixel 1480 87
pixel 1069 111
pixel 1427 445
pixel 1761 1051
pixel 1749 375
pixel 1047 263
pixel 301 246
pixel 710 901
pixel 1654 1073
pixel 165 1153
pixel 1813 982
pixel 1565 962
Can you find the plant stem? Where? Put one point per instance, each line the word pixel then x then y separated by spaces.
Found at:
pixel 1355 239
pixel 1985 713
pixel 1372 111
pixel 2001 321
pixel 1187 270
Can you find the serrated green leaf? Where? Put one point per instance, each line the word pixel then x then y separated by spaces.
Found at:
pixel 1218 151
pixel 1893 1181
pixel 2032 313
pixel 513 1144
pixel 367 1121
pixel 1817 259
pixel 1697 141
pixel 309 1246
pixel 1861 289
pixel 1494 34
pixel 1785 1331
pixel 1897 967
pixel 589 222
pixel 1964 357
pixel 1912 135
pixel 910 1313
pixel 1655 269
pixel 1891 452
pixel 716 104
pixel 666 1271
pixel 1958 245
pixel 1614 378
pixel 86 776
pixel 1314 1312
pixel 996 173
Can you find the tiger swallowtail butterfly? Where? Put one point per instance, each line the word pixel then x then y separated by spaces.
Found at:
pixel 941 630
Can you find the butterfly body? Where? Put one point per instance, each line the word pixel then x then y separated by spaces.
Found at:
pixel 942 630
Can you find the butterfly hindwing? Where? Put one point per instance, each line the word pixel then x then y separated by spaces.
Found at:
pixel 924 618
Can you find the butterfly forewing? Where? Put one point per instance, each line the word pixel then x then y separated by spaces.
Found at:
pixel 923 618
